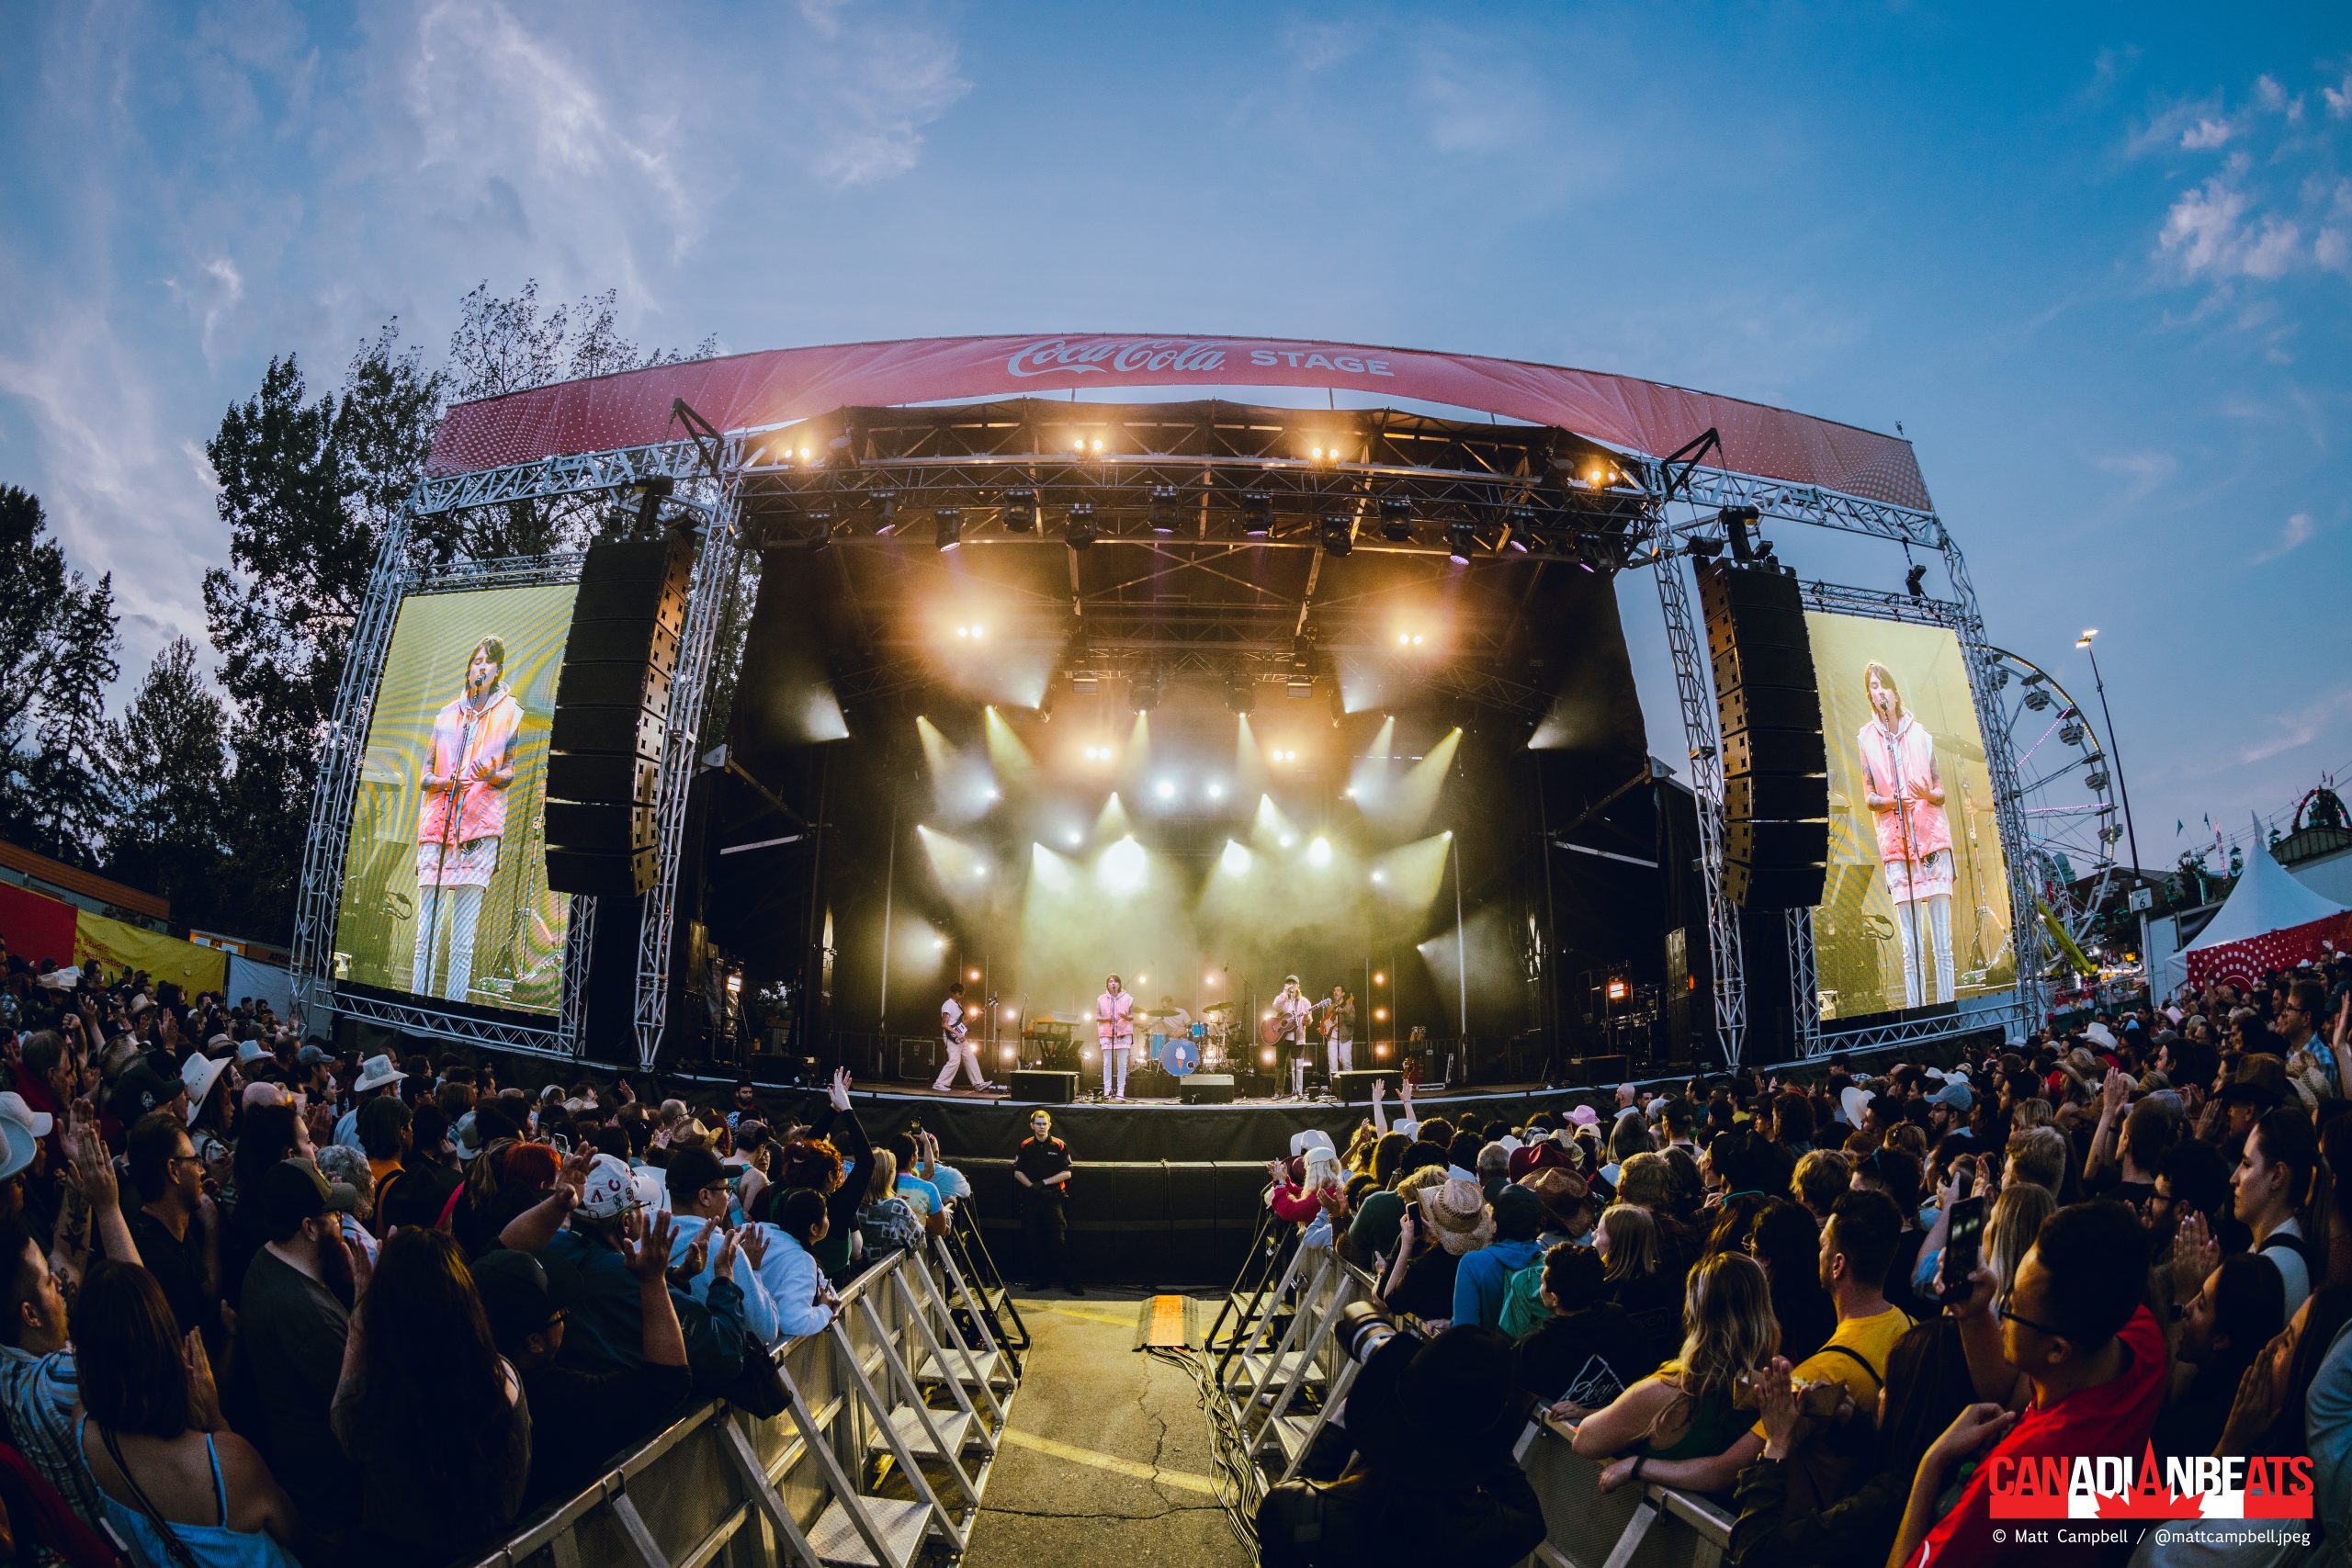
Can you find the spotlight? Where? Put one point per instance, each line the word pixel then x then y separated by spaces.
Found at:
pixel 1215 790
pixel 1143 691
pixel 1078 526
pixel 1396 519
pixel 1020 511
pixel 1257 516
pixel 1165 789
pixel 1241 694
pixel 1699 546
pixel 1460 540
pixel 885 513
pixel 1338 534
pixel 1914 580
pixel 1165 512
pixel 949 522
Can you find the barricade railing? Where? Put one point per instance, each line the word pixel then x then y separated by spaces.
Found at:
pixel 892 1379
pixel 1645 1526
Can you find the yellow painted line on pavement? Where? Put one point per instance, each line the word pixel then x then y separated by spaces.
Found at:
pixel 1182 1480
pixel 1082 1315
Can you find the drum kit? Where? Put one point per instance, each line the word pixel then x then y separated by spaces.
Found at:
pixel 1203 1047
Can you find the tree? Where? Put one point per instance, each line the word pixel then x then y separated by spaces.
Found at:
pixel 168 757
pixel 307 489
pixel 32 598
pixel 70 789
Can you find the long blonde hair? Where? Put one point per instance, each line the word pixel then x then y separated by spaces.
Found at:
pixel 1633 1241
pixel 2009 1229
pixel 1728 1331
pixel 1886 679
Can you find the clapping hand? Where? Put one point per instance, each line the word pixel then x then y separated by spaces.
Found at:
pixel 753 1241
pixel 838 1091
pixel 649 1253
pixel 1776 1403
pixel 2195 1255
pixel 2115 1092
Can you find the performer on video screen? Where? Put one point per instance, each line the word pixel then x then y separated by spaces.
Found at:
pixel 1115 1031
pixel 1293 1014
pixel 469 764
pixel 1905 795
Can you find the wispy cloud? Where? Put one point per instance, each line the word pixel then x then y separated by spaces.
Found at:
pixel 2296 533
pixel 2298 727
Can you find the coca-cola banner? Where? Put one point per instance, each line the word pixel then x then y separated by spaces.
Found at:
pixel 748 391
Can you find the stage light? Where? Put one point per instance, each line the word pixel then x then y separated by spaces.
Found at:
pixel 1618 990
pixel 1215 790
pixel 1915 580
pixel 1165 513
pixel 1073 837
pixel 948 525
pixel 1143 691
pixel 1338 534
pixel 1012 1052
pixel 1289 840
pixel 1380 977
pixel 1460 540
pixel 1380 877
pixel 1165 789
pixel 940 942
pixel 1267 1056
pixel 1235 860
pixel 973 976
pixel 1318 852
pixel 1209 980
pixel 1143 980
pixel 1700 547
pixel 1011 1014
pixel 1020 511
pixel 1396 519
pixel 1078 526
pixel 1241 694
pixel 1257 516
pixel 1380 1015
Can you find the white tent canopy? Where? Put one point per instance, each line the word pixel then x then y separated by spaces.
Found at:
pixel 2267 898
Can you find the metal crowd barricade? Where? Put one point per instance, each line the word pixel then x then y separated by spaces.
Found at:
pixel 1644 1526
pixel 891 1428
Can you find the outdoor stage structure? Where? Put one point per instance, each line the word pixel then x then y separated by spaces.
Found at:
pixel 1147 535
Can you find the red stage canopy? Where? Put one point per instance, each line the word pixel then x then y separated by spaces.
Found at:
pixel 748 391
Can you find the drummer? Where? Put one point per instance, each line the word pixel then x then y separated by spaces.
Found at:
pixel 1173 1020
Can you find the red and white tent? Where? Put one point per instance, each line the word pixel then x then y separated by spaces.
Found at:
pixel 2270 922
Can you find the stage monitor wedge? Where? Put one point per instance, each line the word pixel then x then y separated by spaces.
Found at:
pixel 611 726
pixel 1044 1087
pixel 1775 758
pixel 1355 1087
pixel 1207 1088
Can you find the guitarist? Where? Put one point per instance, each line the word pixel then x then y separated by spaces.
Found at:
pixel 955 1035
pixel 1338 1025
pixel 1293 1013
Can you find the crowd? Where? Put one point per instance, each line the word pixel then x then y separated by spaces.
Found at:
pixel 1845 1307
pixel 274 1303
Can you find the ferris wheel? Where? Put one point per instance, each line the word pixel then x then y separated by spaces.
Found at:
pixel 2063 790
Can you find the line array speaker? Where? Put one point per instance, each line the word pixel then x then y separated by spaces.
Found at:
pixel 1776 762
pixel 612 714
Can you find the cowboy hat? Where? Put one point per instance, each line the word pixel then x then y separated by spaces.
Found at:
pixel 1456 1210
pixel 23 1128
pixel 200 1074
pixel 375 1072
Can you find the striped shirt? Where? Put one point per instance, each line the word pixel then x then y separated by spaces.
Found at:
pixel 39 1393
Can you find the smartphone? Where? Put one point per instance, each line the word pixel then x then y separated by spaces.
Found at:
pixel 562 1145
pixel 1961 1247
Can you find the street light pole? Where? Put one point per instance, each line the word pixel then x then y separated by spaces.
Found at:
pixel 2114 746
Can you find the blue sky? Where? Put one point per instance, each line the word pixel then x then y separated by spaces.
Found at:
pixel 2096 260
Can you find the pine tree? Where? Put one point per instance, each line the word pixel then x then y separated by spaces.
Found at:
pixel 70 785
pixel 169 759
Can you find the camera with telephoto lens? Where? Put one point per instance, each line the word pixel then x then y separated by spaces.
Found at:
pixel 1364 1328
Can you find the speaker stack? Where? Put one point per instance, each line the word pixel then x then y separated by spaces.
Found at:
pixel 1768 705
pixel 612 712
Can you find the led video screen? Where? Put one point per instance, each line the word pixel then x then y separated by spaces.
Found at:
pixel 1916 911
pixel 445 891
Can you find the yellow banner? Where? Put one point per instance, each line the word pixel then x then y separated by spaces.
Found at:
pixel 114 945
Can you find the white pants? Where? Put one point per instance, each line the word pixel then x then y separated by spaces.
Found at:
pixel 1932 916
pixel 454 910
pixel 1297 1049
pixel 1341 1055
pixel 1117 1053
pixel 969 1054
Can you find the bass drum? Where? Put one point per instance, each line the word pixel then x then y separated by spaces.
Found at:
pixel 1181 1057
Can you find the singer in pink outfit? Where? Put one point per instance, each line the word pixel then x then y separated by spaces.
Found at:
pixel 468 768
pixel 1905 795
